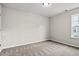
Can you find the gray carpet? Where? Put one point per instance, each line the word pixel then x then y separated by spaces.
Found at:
pixel 45 48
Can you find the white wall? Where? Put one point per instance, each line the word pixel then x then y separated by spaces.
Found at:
pixel 20 28
pixel 60 28
pixel 0 26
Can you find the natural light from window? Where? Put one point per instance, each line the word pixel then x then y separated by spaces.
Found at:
pixel 75 26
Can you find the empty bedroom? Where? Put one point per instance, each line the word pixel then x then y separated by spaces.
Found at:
pixel 39 29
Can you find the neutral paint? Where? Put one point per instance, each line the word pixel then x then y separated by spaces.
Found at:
pixel 61 28
pixel 0 26
pixel 37 8
pixel 20 28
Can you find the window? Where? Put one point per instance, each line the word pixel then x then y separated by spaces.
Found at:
pixel 75 26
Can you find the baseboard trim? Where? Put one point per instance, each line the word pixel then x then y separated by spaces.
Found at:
pixel 64 44
pixel 22 44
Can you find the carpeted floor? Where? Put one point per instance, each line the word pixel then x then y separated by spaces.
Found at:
pixel 45 48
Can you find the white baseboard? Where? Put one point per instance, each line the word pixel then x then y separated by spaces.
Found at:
pixel 65 43
pixel 23 44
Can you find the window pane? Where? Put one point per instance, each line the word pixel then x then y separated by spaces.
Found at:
pixel 75 26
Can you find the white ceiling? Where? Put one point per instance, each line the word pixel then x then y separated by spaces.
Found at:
pixel 38 9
